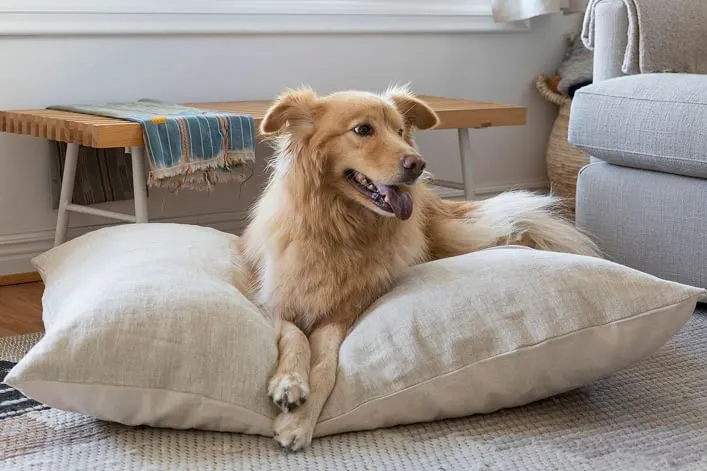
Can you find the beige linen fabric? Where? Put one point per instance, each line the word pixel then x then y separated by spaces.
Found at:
pixel 495 329
pixel 648 417
pixel 140 331
pixel 145 326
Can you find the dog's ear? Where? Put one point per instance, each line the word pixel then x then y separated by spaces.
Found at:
pixel 294 108
pixel 415 111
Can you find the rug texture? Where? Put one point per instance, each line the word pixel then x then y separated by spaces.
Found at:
pixel 650 417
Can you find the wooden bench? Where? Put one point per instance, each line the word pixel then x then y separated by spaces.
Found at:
pixel 98 132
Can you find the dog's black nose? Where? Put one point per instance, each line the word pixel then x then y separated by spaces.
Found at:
pixel 413 165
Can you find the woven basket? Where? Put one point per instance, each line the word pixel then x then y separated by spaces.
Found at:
pixel 562 159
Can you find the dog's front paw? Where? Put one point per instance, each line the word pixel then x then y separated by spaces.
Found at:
pixel 288 391
pixel 292 430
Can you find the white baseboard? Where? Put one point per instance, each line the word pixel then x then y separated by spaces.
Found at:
pixel 455 190
pixel 448 192
pixel 490 190
pixel 17 250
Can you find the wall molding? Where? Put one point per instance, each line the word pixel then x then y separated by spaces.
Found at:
pixel 150 17
pixel 20 278
pixel 17 250
pixel 449 189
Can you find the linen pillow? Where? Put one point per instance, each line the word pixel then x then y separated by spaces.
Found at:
pixel 147 325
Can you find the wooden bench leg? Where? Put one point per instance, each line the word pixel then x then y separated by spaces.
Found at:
pixel 139 183
pixel 67 191
pixel 467 163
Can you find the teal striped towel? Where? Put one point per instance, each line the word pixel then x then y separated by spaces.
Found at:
pixel 186 147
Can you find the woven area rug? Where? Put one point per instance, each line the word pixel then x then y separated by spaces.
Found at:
pixel 650 417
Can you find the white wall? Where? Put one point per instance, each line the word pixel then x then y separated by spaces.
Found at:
pixel 39 71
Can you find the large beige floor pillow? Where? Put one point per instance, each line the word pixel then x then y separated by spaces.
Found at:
pixel 145 325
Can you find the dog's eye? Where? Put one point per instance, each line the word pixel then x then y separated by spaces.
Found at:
pixel 400 132
pixel 363 130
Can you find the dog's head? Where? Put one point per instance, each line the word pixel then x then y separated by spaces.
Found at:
pixel 358 144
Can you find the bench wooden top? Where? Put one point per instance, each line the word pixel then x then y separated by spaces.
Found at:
pixel 100 132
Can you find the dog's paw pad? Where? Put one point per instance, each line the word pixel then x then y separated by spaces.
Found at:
pixel 288 391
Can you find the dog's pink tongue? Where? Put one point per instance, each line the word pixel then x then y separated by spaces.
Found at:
pixel 399 201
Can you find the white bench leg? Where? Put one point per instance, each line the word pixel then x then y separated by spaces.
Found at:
pixel 467 163
pixel 67 192
pixel 139 183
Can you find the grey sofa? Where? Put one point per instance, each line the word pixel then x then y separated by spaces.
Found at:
pixel 643 196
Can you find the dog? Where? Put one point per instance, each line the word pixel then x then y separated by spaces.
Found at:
pixel 347 208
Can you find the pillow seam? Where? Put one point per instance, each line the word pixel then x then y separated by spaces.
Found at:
pixel 524 347
pixel 119 386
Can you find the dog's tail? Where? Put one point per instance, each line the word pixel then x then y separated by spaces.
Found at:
pixel 534 220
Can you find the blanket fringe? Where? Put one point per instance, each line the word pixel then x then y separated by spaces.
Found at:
pixel 204 175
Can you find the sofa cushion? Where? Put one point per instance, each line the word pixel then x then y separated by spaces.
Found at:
pixel 648 121
pixel 650 221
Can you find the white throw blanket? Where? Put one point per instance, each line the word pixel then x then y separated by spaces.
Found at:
pixel 663 35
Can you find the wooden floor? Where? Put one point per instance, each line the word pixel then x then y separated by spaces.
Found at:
pixel 21 309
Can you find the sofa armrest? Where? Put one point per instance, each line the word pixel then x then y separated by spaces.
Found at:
pixel 610 39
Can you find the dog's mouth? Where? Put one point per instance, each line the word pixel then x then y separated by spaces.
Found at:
pixel 389 198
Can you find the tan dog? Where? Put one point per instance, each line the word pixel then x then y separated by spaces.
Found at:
pixel 344 213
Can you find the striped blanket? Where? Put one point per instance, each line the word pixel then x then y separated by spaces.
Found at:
pixel 186 147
